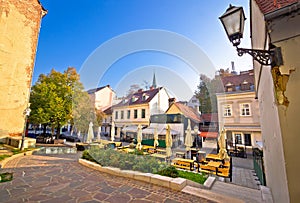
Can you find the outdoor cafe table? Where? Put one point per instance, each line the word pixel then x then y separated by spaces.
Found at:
pixel 189 162
pixel 213 157
pixel 215 164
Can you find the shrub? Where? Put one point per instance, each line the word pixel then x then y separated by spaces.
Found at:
pixel 110 157
pixel 196 177
pixel 170 171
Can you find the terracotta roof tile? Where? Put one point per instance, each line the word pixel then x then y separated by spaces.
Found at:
pixel 188 112
pixel 237 80
pixel 267 6
pixel 141 97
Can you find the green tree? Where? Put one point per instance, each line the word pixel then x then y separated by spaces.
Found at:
pixel 206 93
pixel 52 98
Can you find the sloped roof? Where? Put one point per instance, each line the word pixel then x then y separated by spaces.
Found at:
pixel 209 117
pixel 92 91
pixel 150 94
pixel 237 80
pixel 267 6
pixel 188 111
pixel 108 111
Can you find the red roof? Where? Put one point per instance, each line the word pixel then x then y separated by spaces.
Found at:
pixel 188 112
pixel 209 117
pixel 209 134
pixel 267 6
pixel 139 97
pixel 237 80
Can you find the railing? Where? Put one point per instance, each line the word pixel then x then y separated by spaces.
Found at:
pixel 259 165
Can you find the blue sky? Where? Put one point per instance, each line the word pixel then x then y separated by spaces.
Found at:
pixel 109 42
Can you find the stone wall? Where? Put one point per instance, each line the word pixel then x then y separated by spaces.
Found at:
pixel 20 22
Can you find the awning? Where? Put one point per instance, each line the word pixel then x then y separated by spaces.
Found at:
pixel 209 134
pixel 161 129
pixel 130 128
pixel 243 128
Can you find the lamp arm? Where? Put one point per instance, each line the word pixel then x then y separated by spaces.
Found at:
pixel 264 57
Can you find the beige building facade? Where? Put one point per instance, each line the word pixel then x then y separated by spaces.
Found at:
pixel 278 23
pixel 20 22
pixel 102 97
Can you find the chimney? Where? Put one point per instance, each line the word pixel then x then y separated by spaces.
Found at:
pixel 171 101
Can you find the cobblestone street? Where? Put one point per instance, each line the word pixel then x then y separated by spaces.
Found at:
pixel 61 178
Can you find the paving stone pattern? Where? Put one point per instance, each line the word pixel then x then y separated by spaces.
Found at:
pixel 61 178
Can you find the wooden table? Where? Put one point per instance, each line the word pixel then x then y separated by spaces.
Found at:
pixel 214 157
pixel 183 163
pixel 215 164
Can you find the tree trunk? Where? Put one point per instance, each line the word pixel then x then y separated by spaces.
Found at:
pixel 44 128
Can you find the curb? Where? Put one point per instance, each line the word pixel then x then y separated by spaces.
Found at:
pixel 178 184
pixel 4 161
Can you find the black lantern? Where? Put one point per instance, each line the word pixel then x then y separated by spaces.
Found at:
pixel 233 21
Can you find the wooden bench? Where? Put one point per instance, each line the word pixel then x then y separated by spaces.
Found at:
pixel 180 164
pixel 223 172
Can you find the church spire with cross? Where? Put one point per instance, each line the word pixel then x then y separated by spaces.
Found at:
pixel 154 81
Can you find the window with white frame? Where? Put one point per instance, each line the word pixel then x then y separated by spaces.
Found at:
pixel 122 114
pixel 128 114
pixel 238 139
pixel 116 115
pixel 227 110
pixel 245 109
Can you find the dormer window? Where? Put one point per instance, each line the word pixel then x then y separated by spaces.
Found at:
pixel 134 99
pixel 229 87
pixel 145 97
pixel 245 85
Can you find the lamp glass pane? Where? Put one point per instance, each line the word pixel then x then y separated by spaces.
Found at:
pixel 232 23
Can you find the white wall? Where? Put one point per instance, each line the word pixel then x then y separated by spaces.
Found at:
pixel 274 161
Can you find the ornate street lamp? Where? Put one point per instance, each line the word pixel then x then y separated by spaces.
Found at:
pixel 26 113
pixel 233 21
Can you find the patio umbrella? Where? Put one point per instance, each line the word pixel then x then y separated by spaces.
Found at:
pixel 139 137
pixel 222 145
pixel 155 138
pixel 90 134
pixel 98 134
pixel 188 137
pixel 169 141
pixel 112 131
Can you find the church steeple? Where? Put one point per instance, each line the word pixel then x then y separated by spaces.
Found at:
pixel 154 81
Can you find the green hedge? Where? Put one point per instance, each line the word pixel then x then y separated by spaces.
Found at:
pixel 136 162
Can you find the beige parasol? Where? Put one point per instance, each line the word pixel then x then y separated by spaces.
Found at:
pixel 156 143
pixel 112 131
pixel 139 137
pixel 169 141
pixel 222 145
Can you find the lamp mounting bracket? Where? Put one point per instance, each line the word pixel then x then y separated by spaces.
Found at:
pixel 264 57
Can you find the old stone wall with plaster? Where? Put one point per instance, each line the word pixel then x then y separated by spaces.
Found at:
pixel 20 22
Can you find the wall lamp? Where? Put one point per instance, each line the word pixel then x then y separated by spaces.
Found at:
pixel 233 21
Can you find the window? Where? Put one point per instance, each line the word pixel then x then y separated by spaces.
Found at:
pixel 245 109
pixel 122 114
pixel 247 139
pixel 128 114
pixel 135 113
pixel 227 110
pixel 238 138
pixel 143 113
pixel 145 97
pixel 116 115
pixel 134 99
